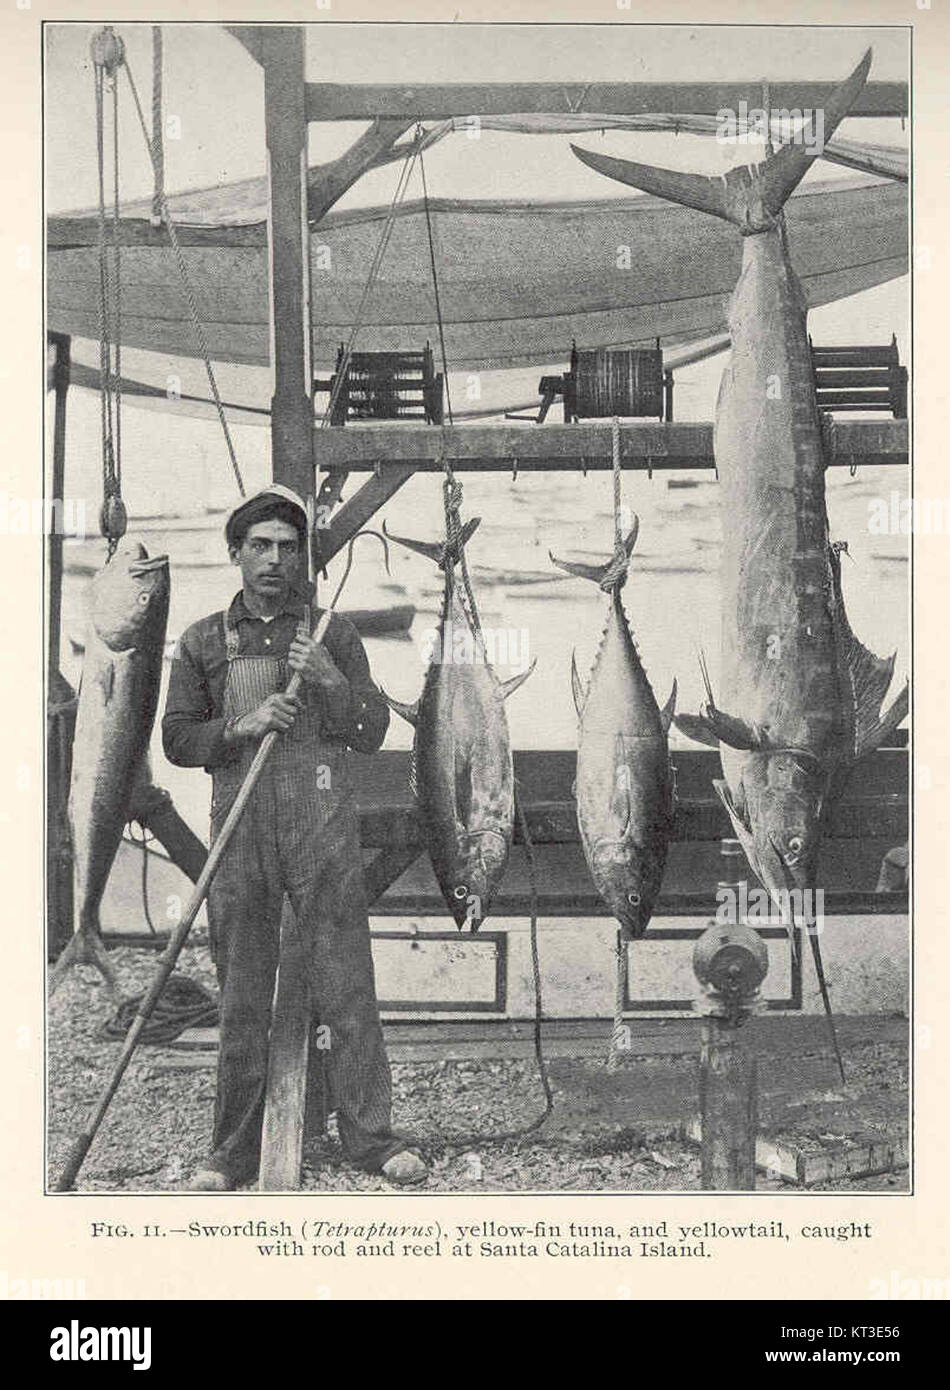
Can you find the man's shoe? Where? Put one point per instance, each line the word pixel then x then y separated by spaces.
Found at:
pixel 405 1169
pixel 209 1180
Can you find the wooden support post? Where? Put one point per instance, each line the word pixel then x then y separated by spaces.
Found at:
pixel 281 50
pixel 282 47
pixel 727 1108
pixel 285 1108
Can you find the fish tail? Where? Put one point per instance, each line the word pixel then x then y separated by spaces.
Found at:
pixel 611 573
pixel 751 198
pixel 440 552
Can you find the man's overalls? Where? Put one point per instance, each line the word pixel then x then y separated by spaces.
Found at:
pixel 299 835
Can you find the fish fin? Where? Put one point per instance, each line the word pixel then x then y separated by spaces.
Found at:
pixel 751 198
pixel 408 712
pixel 886 725
pixel 463 785
pixel 107 681
pixel 509 687
pixel 620 801
pixel 868 676
pixel 437 551
pixel 739 825
pixel 580 694
pixel 696 727
pixel 616 563
pixel 735 732
pixel 666 713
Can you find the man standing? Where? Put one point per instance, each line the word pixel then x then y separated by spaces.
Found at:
pixel 299 835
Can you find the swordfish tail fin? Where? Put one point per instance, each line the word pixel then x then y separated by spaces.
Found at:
pixel 610 574
pixel 750 197
pixel 438 551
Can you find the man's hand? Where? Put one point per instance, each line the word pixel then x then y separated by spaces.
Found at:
pixel 277 712
pixel 311 661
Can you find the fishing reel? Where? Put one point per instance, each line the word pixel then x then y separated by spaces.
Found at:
pixel 730 962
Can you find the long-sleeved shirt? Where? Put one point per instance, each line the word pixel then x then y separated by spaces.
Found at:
pixel 193 725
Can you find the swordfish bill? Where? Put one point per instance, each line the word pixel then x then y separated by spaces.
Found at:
pixel 462 771
pixel 801 697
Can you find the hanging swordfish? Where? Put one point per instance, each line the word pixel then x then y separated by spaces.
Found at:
pixel 118 696
pixel 624 781
pixel 801 697
pixel 461 770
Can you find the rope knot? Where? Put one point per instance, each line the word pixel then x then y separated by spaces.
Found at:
pixel 615 575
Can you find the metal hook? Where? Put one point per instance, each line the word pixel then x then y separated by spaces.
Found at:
pixel 349 559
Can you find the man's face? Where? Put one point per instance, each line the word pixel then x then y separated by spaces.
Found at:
pixel 268 557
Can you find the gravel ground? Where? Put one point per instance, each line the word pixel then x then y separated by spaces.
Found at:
pixel 157 1129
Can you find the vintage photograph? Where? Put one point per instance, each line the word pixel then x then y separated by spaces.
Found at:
pixel 478 534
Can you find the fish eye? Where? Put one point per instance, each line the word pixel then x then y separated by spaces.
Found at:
pixel 795 844
pixel 461 891
pixel 633 899
pixel 143 599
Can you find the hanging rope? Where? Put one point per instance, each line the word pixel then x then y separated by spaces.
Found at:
pixel 374 270
pixel 435 282
pixel 618 1036
pixel 186 285
pixel 158 143
pixel 143 840
pixel 615 575
pixel 107 54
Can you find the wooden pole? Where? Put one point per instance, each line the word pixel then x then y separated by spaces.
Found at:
pixel 727 1108
pixel 285 121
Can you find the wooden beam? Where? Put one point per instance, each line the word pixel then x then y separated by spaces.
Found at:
pixel 388 449
pixel 326 183
pixel 353 515
pixel 289 259
pixel 250 35
pixel 332 101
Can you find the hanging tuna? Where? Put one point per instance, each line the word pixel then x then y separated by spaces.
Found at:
pixel 461 769
pixel 624 781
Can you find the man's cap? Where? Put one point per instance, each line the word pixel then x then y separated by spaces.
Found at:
pixel 273 501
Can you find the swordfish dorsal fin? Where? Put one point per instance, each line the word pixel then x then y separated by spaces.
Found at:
pixel 868 676
pixel 753 197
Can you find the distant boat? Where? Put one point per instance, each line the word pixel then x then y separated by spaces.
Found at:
pixel 369 622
